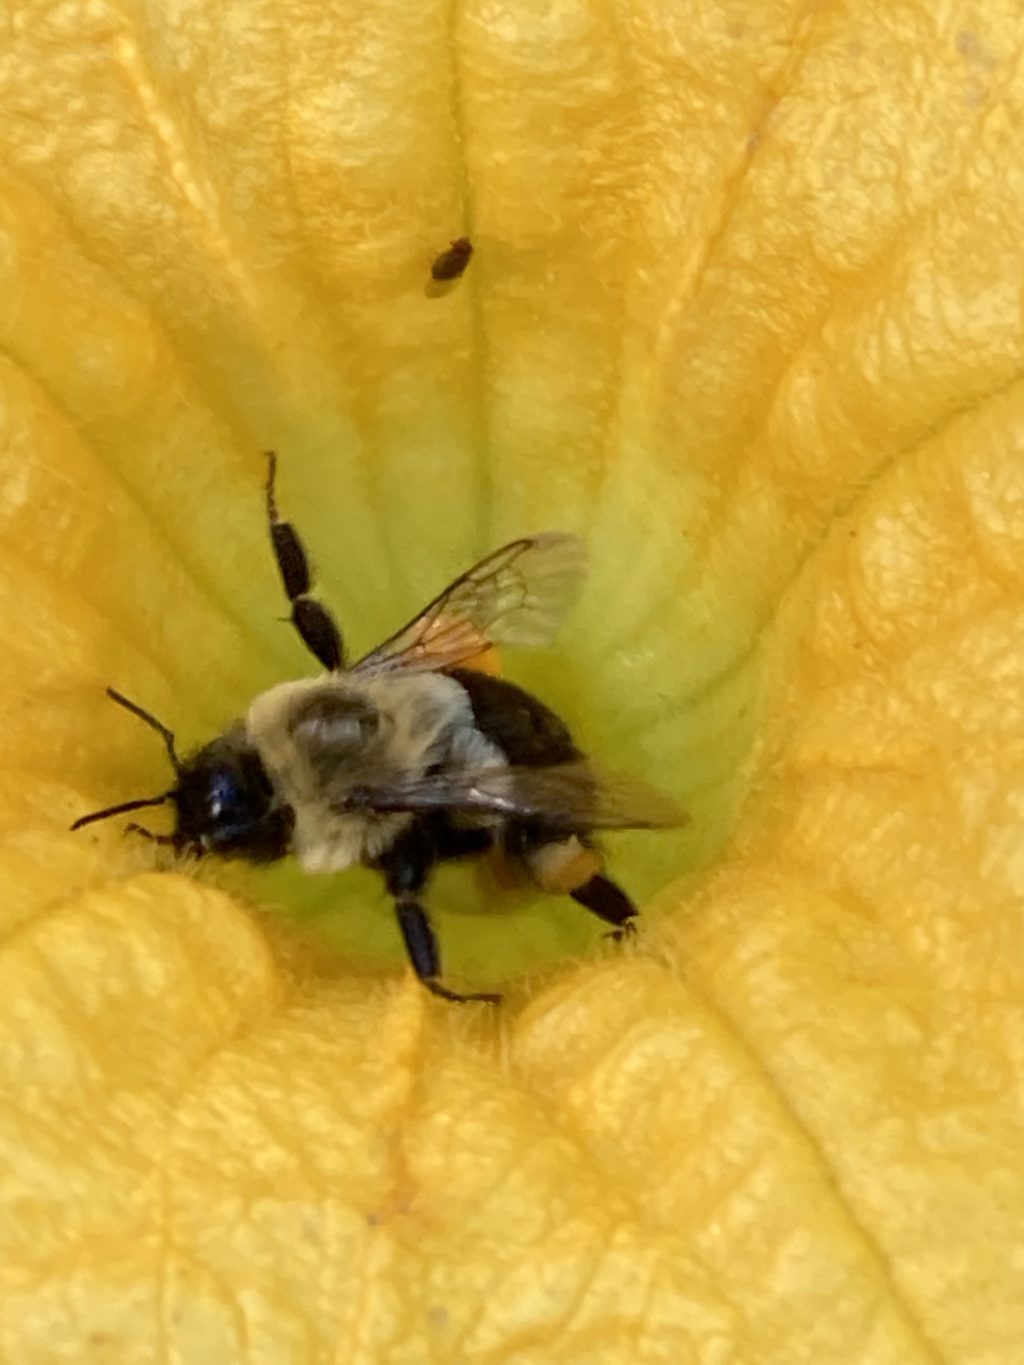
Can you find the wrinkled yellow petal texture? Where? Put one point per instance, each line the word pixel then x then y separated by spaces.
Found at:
pixel 745 309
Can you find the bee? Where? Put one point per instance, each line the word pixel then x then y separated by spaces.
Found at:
pixel 412 756
pixel 453 260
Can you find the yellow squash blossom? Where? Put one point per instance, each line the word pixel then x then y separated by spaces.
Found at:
pixel 745 309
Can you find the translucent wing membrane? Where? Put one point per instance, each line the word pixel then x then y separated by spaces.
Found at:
pixel 570 796
pixel 516 596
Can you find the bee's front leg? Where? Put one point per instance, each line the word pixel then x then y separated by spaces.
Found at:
pixel 406 866
pixel 317 628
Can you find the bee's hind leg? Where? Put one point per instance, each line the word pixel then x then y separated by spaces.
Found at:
pixel 572 866
pixel 609 902
pixel 316 626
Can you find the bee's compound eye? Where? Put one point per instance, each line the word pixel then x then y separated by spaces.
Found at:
pixel 224 793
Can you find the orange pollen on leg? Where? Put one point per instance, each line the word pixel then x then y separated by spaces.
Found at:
pixel 564 866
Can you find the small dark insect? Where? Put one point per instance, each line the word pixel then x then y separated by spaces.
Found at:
pixel 452 263
pixel 411 756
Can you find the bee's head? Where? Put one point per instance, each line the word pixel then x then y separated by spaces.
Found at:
pixel 224 799
pixel 226 803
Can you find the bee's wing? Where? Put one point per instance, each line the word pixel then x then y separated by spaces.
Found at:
pixel 567 796
pixel 516 596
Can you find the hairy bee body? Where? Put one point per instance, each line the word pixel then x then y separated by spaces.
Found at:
pixel 410 757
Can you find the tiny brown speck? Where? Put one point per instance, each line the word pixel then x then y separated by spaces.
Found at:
pixel 451 263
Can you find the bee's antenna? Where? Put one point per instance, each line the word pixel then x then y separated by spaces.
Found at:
pixel 121 809
pixel 166 735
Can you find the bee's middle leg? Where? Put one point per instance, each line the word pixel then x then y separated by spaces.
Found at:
pixel 421 945
pixel 406 865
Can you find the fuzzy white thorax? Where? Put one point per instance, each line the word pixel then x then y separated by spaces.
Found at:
pixel 425 719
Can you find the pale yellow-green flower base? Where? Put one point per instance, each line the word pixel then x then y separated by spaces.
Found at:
pixel 745 310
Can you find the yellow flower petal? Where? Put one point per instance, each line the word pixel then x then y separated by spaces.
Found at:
pixel 744 308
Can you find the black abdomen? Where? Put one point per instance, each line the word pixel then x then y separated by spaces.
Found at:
pixel 526 731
